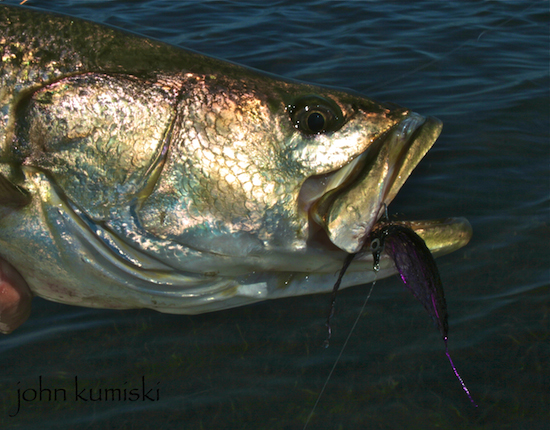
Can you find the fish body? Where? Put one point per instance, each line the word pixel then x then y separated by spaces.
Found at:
pixel 135 174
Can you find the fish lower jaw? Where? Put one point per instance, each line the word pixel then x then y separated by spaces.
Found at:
pixel 442 236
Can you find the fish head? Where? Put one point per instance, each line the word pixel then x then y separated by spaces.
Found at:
pixel 273 166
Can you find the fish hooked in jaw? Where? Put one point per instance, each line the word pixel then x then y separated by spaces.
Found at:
pixel 148 176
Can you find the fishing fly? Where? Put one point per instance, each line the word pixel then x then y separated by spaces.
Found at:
pixel 418 271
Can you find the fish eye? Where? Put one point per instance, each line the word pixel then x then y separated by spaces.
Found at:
pixel 316 122
pixel 315 115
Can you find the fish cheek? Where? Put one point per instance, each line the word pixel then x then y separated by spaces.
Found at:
pixel 227 178
pixel 97 136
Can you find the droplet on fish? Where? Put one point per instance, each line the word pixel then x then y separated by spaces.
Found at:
pixel 376 247
pixel 418 270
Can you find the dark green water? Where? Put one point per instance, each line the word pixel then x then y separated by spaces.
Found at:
pixel 480 66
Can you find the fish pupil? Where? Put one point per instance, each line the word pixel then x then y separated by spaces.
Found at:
pixel 316 122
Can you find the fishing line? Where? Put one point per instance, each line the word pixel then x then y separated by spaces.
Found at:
pixel 341 352
pixel 347 262
pixel 448 53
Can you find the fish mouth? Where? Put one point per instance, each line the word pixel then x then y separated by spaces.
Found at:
pixel 348 202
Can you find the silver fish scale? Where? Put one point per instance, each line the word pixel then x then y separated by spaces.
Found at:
pixel 97 135
pixel 223 170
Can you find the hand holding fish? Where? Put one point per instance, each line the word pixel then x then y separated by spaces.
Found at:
pixel 15 298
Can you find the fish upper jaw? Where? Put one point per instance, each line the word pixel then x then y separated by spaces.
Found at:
pixel 356 195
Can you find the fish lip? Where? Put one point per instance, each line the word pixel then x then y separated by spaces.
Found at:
pixel 442 236
pixel 348 212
